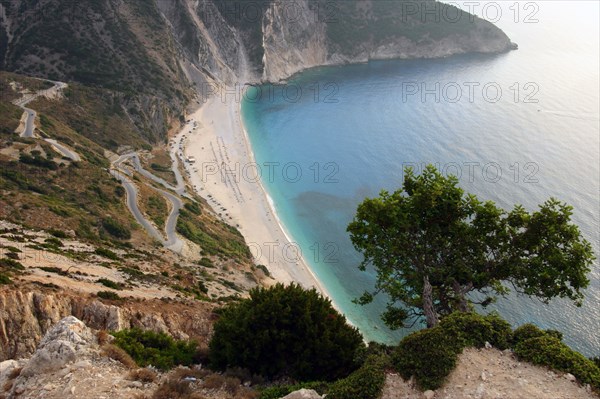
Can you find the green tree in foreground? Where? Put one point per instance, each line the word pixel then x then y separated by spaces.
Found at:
pixel 285 331
pixel 431 245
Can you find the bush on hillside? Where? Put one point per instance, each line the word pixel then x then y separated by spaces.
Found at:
pixel 107 253
pixel 366 383
pixel 116 229
pixel 525 332
pixel 285 331
pixel 429 355
pixel 109 295
pixel 11 264
pixel 156 349
pixel 110 284
pixel 547 350
pixel 472 329
pixel 58 233
pixel 4 279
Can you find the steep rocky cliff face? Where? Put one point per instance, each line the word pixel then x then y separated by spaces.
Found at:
pixel 157 48
pixel 293 40
pixel 309 33
pixel 26 316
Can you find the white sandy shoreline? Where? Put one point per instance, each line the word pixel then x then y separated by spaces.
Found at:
pixel 221 148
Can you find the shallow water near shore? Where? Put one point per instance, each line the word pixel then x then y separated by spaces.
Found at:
pixel 517 128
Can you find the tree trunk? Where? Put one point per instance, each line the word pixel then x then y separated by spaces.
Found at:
pixel 430 314
pixel 461 301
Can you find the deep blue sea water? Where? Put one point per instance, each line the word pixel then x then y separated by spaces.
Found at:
pixel 353 128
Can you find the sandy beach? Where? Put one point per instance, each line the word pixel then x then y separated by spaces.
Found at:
pixel 222 171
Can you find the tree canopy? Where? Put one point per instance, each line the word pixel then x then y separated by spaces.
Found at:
pixel 432 245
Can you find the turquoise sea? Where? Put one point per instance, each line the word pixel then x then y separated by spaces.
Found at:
pixel 517 127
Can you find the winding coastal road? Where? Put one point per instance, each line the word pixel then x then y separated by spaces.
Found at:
pixel 31 114
pixel 72 155
pixel 173 242
pixel 132 194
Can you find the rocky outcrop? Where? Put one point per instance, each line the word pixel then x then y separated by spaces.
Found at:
pixel 303 394
pixel 68 363
pixel 292 42
pixel 211 45
pixel 68 341
pixel 26 316
pixel 300 37
pixel 62 344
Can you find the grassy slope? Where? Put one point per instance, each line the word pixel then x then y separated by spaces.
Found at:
pixel 81 196
pixel 96 114
pixel 125 49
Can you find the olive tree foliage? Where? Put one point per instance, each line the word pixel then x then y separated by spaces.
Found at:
pixel 432 245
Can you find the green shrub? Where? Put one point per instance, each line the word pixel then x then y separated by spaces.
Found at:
pixel 472 329
pixel 156 349
pixel 596 360
pixel 525 332
pixel 53 269
pixel 285 331
pixel 4 279
pixel 202 287
pixel 116 229
pixel 547 350
pixel 206 262
pixel 110 284
pixel 120 191
pixel 366 383
pixel 11 264
pixel 554 333
pixel 109 295
pixel 373 349
pixel 159 168
pixel 58 233
pixel 54 242
pixel 60 211
pixel 137 274
pixel 193 207
pixel 430 355
pixel 38 160
pixel 107 253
